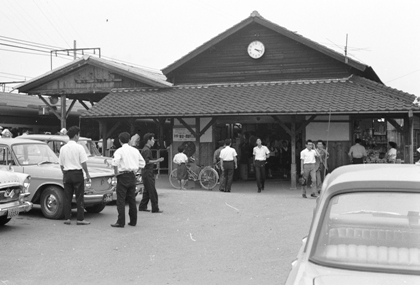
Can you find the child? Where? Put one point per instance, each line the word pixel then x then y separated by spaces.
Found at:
pixel 181 160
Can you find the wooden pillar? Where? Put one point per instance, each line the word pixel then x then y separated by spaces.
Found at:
pixel 293 145
pixel 104 138
pixel 410 137
pixel 197 139
pixel 63 111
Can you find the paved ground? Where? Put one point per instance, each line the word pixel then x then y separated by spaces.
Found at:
pixel 203 237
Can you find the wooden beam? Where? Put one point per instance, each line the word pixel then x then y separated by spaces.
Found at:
pixel 197 140
pixel 156 121
pixel 305 123
pixel 70 107
pixel 83 104
pixel 51 107
pixel 396 125
pixel 212 121
pixel 188 127
pixel 283 125
pixel 63 111
pixel 114 127
pixel 293 153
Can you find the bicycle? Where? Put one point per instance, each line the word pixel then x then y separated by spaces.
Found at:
pixel 207 176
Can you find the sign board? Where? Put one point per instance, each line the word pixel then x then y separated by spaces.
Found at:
pixel 182 135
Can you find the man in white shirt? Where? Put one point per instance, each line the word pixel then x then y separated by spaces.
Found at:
pixel 357 152
pixel 260 154
pixel 228 164
pixel 308 167
pixel 72 160
pixel 127 161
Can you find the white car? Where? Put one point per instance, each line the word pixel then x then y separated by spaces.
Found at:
pixel 13 194
pixel 365 229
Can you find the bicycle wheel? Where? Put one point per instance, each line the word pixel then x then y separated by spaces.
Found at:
pixel 208 178
pixel 173 179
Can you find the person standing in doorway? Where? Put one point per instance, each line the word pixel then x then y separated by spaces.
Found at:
pixel 308 167
pixel 181 160
pixel 217 164
pixel 127 161
pixel 322 164
pixel 148 175
pixel 357 152
pixel 260 155
pixel 229 163
pixel 72 160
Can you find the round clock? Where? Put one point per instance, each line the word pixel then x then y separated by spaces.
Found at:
pixel 256 49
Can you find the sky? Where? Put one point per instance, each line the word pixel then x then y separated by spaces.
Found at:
pixel 383 34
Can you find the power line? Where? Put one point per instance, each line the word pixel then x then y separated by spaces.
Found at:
pixel 403 76
pixel 69 22
pixel 23 32
pixel 18 51
pixel 52 25
pixel 47 46
pixel 17 42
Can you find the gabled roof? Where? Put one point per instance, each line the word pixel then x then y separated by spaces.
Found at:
pixel 154 79
pixel 257 18
pixel 352 95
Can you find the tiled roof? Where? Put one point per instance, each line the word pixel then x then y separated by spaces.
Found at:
pixel 340 96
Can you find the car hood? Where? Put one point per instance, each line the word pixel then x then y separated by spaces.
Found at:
pixel 367 278
pixel 93 171
pixel 8 179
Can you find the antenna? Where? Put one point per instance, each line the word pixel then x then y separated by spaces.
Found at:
pixel 346 60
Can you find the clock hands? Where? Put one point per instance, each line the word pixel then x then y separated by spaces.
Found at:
pixel 257 50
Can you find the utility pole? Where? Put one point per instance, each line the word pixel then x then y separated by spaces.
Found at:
pixel 345 50
pixel 74 50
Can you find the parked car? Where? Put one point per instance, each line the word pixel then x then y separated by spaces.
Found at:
pixel 55 142
pixel 94 156
pixel 365 228
pixel 41 163
pixel 13 194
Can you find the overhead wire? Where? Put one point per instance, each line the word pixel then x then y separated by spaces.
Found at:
pixel 29 42
pixel 5 15
pixel 18 15
pixel 52 25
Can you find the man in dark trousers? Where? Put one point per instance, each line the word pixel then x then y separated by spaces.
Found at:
pixel 228 164
pixel 149 176
pixel 72 160
pixel 127 161
pixel 260 155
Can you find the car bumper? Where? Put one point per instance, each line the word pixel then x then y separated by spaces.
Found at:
pixel 16 206
pixel 93 199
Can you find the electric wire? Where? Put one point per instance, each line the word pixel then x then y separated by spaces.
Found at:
pixel 5 15
pixel 51 24
pixel 45 45
pixel 29 26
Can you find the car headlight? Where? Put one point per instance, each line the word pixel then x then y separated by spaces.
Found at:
pixel 26 184
pixel 88 184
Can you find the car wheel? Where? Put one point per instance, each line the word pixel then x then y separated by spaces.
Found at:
pixel 52 203
pixel 4 220
pixel 95 208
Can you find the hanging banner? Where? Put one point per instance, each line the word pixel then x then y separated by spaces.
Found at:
pixel 182 135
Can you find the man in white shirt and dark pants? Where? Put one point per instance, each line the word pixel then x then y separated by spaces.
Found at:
pixel 72 160
pixel 127 161
pixel 308 167
pixel 228 163
pixel 260 153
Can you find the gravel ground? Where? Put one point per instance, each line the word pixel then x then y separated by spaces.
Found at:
pixel 202 237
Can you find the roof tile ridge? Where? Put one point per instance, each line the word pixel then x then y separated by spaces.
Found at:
pixel 136 89
pixel 392 92
pixel 259 83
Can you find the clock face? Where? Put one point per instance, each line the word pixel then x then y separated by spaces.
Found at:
pixel 256 49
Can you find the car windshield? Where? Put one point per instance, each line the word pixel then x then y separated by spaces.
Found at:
pixel 376 230
pixel 89 147
pixel 33 154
